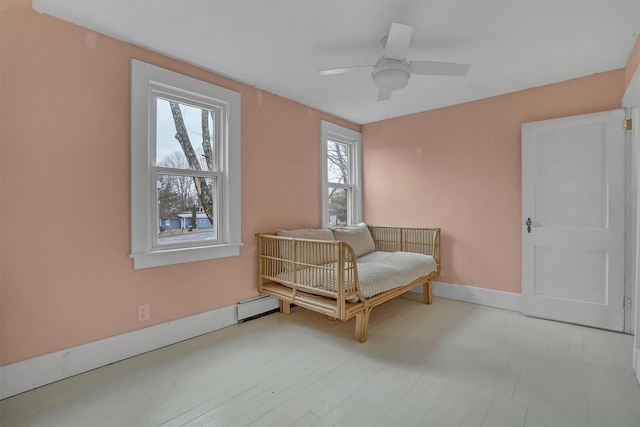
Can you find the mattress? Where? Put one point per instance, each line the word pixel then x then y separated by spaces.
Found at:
pixel 378 272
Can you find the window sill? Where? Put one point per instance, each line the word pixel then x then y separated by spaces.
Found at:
pixel 178 256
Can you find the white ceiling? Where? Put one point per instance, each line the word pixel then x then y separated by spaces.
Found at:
pixel 277 45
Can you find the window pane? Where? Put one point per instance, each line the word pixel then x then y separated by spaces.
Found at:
pixel 338 162
pixel 339 206
pixel 185 137
pixel 186 209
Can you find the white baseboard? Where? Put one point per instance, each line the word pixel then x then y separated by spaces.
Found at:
pixel 32 373
pixel 482 296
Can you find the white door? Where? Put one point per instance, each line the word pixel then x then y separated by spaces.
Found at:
pixel 573 172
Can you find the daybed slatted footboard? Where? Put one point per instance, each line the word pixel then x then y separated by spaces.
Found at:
pixel 322 275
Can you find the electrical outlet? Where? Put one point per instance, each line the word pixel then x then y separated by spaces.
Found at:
pixel 143 312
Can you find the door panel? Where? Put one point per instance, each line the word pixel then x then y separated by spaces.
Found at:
pixel 568 272
pixel 571 197
pixel 573 191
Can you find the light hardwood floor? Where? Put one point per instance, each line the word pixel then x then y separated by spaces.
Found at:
pixel 448 364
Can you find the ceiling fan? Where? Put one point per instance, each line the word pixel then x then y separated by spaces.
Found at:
pixel 392 71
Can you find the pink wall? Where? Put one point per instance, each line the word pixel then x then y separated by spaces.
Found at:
pixel 459 168
pixel 65 275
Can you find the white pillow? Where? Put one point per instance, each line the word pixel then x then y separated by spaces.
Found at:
pixel 286 249
pixel 357 236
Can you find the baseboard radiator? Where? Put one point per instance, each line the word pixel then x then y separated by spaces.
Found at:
pixel 256 306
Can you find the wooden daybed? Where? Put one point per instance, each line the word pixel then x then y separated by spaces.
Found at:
pixel 345 273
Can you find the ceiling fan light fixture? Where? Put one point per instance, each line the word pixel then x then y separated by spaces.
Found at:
pixel 392 70
pixel 391 79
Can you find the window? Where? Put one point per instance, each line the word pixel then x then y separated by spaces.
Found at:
pixel 185 168
pixel 341 175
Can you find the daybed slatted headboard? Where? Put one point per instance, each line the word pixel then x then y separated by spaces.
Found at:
pixel 422 240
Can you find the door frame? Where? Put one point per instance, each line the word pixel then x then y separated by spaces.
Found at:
pixel 631 102
pixel 632 220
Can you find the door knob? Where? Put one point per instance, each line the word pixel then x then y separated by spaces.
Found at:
pixel 529 223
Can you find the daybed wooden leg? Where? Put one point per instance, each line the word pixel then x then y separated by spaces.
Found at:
pixel 362 325
pixel 427 292
pixel 285 307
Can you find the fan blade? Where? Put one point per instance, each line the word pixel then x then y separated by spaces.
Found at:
pixel 383 94
pixel 397 43
pixel 434 68
pixel 343 70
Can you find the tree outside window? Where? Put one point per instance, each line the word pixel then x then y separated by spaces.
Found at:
pixel 186 164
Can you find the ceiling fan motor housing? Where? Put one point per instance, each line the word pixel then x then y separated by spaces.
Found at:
pixel 391 74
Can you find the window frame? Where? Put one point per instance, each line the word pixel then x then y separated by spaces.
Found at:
pixel 148 83
pixel 353 139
